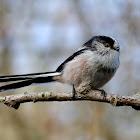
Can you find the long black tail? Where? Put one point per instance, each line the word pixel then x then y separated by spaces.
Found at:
pixel 27 80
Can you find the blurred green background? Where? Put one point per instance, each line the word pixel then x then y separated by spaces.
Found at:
pixel 37 36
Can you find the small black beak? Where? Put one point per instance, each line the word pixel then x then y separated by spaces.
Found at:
pixel 116 48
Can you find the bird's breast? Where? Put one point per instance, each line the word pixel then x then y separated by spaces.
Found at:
pixel 88 68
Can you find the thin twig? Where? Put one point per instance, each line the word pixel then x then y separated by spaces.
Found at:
pixel 91 95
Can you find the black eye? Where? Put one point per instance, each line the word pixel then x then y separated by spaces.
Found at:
pixel 106 45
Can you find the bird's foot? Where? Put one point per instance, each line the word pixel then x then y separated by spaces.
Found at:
pixel 104 94
pixel 84 89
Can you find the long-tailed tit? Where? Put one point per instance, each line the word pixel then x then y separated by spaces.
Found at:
pixel 95 63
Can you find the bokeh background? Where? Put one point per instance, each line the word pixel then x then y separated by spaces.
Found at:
pixel 37 36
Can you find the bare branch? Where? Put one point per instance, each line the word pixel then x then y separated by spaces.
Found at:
pixel 91 95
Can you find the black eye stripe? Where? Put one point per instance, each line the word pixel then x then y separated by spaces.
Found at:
pixel 102 39
pixel 105 39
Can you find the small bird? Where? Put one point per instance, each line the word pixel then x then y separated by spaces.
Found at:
pixel 95 63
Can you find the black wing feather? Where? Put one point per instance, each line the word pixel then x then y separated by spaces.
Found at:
pixel 61 67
